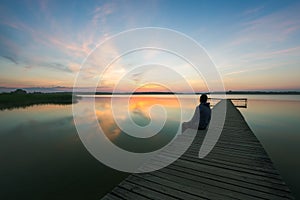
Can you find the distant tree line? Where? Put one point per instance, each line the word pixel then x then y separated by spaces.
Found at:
pixel 20 98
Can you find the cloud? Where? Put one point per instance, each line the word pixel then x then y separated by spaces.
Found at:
pixel 56 40
pixel 57 44
pixel 245 71
pixel 274 27
pixel 70 48
pixel 265 30
pixel 13 60
pixel 74 67
pixel 137 77
pixel 101 12
pixel 49 65
pixel 58 66
pixel 273 54
pixel 261 43
pixel 66 46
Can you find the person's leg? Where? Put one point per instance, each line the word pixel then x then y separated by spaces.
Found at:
pixel 186 125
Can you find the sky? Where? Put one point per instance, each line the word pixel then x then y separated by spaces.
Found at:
pixel 255 45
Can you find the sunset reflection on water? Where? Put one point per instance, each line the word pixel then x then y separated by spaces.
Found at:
pixel 141 110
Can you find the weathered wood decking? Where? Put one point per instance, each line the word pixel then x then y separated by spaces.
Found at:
pixel 238 167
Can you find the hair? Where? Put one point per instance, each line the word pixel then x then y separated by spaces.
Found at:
pixel 203 98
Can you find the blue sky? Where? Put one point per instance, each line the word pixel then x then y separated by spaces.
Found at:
pixel 255 45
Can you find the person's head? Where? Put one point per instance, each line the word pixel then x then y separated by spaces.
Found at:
pixel 203 98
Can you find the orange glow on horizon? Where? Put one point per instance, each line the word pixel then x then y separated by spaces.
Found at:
pixel 152 87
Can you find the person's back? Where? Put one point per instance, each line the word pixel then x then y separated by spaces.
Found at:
pixel 205 115
pixel 201 117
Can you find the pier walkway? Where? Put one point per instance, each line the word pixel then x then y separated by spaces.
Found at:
pixel 238 167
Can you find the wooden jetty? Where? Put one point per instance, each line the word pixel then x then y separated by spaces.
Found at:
pixel 238 167
pixel 237 102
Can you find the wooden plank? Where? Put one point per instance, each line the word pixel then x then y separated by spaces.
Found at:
pixel 256 179
pixel 111 196
pixel 147 191
pixel 126 194
pixel 167 189
pixel 201 184
pixel 241 178
pixel 229 165
pixel 181 187
pixel 238 167
pixel 274 178
pixel 234 185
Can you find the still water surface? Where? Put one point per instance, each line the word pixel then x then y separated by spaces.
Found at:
pixel 42 156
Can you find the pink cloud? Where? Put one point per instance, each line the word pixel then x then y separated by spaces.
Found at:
pixel 275 27
pixel 272 54
pixel 101 12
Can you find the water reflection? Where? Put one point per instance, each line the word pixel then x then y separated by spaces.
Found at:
pixel 141 112
pixel 42 157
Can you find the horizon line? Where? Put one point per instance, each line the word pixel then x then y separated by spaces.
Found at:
pixel 52 90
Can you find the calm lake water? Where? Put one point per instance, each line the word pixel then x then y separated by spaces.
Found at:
pixel 42 156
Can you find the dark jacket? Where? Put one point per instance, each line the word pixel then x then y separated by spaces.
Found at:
pixel 201 116
pixel 205 115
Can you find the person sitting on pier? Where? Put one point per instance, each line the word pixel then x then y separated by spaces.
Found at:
pixel 201 116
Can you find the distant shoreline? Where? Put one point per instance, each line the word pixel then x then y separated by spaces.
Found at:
pixel 197 93
pixel 87 92
pixel 21 99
